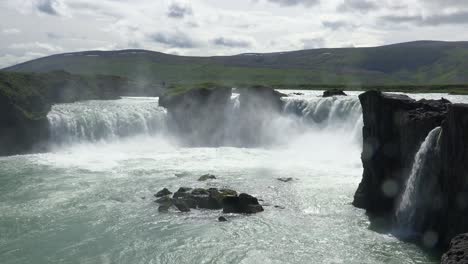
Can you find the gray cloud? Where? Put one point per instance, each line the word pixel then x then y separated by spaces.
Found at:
pixel 295 2
pixel 52 35
pixel 233 43
pixel 446 3
pixel 455 18
pixel 362 6
pixel 48 6
pixel 313 43
pixel 173 40
pixel 334 25
pixel 178 10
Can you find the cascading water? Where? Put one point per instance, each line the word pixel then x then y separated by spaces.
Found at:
pixel 103 120
pixel 413 198
pixel 332 114
pixel 92 121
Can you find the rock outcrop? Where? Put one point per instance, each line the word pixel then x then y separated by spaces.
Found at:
pixel 258 107
pixel 242 204
pixel 458 251
pixel 26 99
pixel 394 128
pixel 198 115
pixel 451 216
pixel 212 199
pixel 208 117
pixel 333 92
pixel 23 122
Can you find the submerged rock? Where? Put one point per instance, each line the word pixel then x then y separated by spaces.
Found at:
pixel 285 179
pixel 165 200
pixel 207 177
pixel 222 219
pixel 333 92
pixel 163 209
pixel 242 204
pixel 458 251
pixel 163 192
pixel 182 205
pixel 182 174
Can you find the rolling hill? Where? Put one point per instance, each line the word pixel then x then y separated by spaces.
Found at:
pixel 412 63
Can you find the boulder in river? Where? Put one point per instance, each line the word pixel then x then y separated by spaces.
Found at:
pixel 289 179
pixel 242 204
pixel 212 199
pixel 165 200
pixel 163 192
pixel 333 92
pixel 222 219
pixel 182 205
pixel 207 177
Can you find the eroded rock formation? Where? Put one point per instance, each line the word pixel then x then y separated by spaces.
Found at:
pixel 198 115
pixel 394 128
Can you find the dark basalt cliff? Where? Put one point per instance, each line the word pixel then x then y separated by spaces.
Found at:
pixel 23 123
pixel 197 116
pixel 208 117
pixel 258 106
pixel 394 128
pixel 26 99
pixel 452 218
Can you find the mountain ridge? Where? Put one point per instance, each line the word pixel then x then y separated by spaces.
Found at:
pixel 418 62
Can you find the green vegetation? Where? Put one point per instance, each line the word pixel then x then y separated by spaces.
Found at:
pixel 424 66
pixel 33 93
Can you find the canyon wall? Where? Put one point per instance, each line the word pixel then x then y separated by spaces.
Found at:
pixel 395 126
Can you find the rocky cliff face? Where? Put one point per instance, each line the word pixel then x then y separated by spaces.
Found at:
pixel 26 99
pixel 394 128
pixel 23 128
pixel 197 117
pixel 458 252
pixel 258 107
pixel 208 117
pixel 452 216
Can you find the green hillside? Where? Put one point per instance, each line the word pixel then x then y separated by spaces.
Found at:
pixel 414 63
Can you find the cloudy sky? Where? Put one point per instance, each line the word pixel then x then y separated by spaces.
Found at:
pixel 36 28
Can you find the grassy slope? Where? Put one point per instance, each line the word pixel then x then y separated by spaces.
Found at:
pixel 33 93
pixel 415 63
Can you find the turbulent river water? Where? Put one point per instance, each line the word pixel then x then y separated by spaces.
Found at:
pixel 90 199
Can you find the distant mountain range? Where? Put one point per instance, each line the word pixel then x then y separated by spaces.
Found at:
pixel 412 63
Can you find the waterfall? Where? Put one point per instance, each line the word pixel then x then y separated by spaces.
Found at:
pixel 342 114
pixel 91 121
pixel 413 197
pixel 105 120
